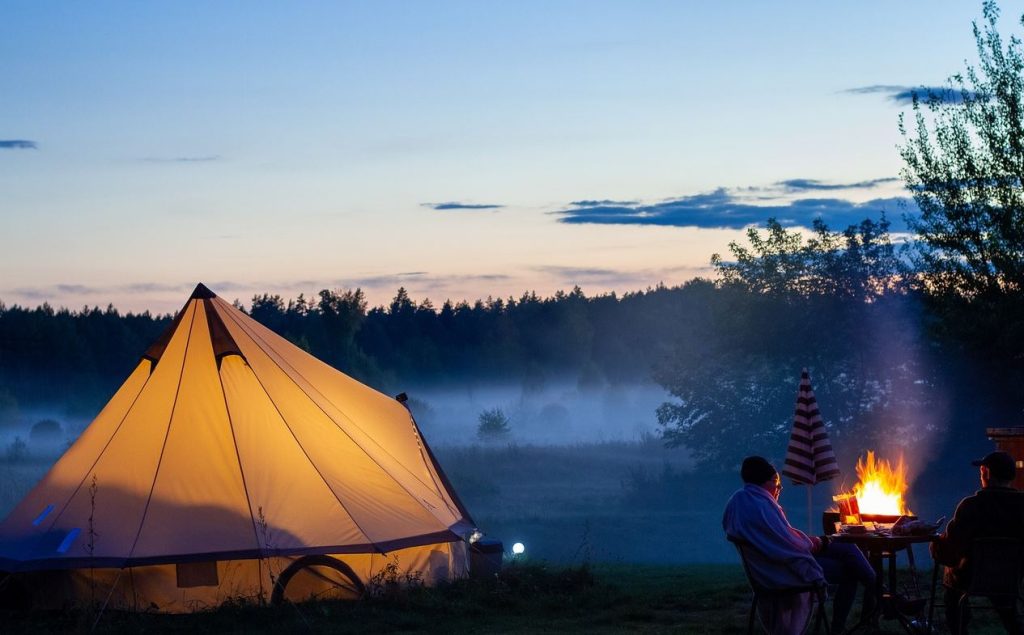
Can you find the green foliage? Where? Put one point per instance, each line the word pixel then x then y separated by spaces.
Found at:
pixel 46 430
pixel 527 340
pixel 87 354
pixel 859 263
pixel 837 303
pixel 964 164
pixel 17 451
pixel 493 424
pixel 391 581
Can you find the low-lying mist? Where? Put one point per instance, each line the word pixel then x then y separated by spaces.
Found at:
pixel 578 473
pixel 557 414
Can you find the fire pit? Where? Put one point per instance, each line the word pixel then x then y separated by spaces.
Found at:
pixel 877 497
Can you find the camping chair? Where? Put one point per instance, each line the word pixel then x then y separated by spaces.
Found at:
pixel 997 565
pixel 818 594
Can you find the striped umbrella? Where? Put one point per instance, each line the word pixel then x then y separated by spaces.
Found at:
pixel 809 456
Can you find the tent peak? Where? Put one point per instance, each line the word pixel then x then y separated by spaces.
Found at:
pixel 202 293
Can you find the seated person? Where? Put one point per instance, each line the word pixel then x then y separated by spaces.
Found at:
pixel 994 511
pixel 786 557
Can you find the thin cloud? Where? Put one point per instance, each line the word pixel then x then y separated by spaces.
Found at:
pixel 453 205
pixel 151 287
pixel 904 95
pixel 722 209
pixel 578 272
pixel 386 280
pixel 18 144
pixel 43 293
pixel 418 277
pixel 209 158
pixel 69 288
pixel 602 277
pixel 594 203
pixel 803 185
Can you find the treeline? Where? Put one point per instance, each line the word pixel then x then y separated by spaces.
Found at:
pixel 75 359
pixel 529 339
pixel 68 360
pixel 890 367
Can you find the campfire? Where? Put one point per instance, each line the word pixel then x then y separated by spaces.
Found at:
pixel 878 494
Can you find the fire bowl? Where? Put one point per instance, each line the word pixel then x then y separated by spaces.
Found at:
pixel 829 520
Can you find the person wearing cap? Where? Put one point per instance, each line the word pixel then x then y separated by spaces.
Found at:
pixel 994 511
pixel 783 555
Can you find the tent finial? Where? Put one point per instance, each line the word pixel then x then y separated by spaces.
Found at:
pixel 202 293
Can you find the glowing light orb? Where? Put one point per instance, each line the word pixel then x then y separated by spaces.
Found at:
pixel 518 548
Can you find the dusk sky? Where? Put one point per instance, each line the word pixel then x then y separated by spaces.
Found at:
pixel 459 149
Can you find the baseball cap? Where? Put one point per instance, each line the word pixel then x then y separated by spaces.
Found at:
pixel 1000 464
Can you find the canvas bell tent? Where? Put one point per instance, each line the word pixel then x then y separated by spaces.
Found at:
pixel 228 461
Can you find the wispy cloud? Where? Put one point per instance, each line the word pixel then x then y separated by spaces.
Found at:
pixel 595 203
pixel 74 289
pixel 904 95
pixel 383 280
pixel 18 144
pixel 453 205
pixel 803 185
pixel 725 209
pixel 208 158
pixel 602 277
pixel 150 287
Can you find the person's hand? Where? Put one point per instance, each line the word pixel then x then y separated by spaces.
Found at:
pixel 815 544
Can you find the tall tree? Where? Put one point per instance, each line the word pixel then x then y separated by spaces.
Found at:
pixel 833 302
pixel 964 164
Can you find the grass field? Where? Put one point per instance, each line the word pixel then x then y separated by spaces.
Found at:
pixel 526 598
pixel 629 502
pixel 622 537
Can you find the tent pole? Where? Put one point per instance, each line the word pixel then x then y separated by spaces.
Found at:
pixel 810 525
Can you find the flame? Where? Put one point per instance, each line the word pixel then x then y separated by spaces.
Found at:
pixel 882 486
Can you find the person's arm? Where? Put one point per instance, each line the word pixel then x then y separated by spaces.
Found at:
pixel 952 545
pixel 778 541
pixel 814 543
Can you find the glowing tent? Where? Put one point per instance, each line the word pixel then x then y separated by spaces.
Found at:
pixel 228 460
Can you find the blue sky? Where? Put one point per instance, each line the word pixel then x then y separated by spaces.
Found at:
pixel 461 149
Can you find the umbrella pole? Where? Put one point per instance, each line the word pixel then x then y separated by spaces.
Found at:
pixel 810 525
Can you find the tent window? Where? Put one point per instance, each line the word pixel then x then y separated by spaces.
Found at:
pixel 49 508
pixel 70 538
pixel 193 574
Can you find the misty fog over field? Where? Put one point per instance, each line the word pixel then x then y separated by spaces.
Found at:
pixel 582 475
pixel 556 414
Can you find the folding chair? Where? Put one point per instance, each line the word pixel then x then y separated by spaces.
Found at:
pixel 996 567
pixel 818 594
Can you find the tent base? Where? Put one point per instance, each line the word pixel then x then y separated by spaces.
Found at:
pixel 185 588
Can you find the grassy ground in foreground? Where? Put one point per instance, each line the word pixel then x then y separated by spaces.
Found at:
pixel 530 598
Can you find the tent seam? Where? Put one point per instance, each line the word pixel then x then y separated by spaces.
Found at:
pixel 426 506
pixel 102 451
pixel 428 455
pixel 167 434
pixel 238 455
pixel 314 466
